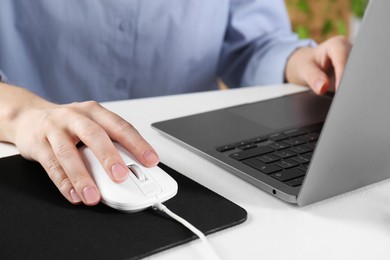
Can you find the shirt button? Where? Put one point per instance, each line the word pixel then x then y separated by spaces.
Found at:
pixel 124 25
pixel 121 84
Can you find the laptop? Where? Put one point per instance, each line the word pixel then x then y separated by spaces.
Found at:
pixel 304 148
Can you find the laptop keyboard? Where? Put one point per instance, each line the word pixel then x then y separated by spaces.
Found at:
pixel 284 156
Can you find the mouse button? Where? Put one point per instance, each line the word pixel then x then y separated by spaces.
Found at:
pixel 124 193
pixel 137 171
pixel 150 188
pixel 162 177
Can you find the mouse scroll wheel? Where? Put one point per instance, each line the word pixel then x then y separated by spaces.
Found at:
pixel 137 171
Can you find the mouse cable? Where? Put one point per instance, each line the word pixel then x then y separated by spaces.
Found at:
pixel 163 208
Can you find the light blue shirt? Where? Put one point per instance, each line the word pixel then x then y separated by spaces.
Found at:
pixel 75 50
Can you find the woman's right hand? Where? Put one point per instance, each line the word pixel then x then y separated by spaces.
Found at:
pixel 48 133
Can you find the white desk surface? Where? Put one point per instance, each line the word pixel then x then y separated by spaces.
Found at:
pixel 355 225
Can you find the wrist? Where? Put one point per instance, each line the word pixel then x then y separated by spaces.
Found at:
pixel 295 64
pixel 15 103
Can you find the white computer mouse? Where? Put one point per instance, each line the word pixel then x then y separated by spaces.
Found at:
pixel 142 189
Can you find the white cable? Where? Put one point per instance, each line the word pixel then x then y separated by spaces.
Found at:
pixel 163 208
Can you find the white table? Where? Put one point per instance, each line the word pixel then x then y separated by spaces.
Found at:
pixel 355 225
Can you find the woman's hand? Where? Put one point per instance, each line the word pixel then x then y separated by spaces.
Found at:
pixel 319 67
pixel 49 133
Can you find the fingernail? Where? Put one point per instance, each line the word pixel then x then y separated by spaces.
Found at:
pixel 319 84
pixel 74 196
pixel 151 157
pixel 119 173
pixel 91 195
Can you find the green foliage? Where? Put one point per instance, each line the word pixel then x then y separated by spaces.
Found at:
pixel 327 27
pixel 358 7
pixel 303 6
pixel 303 32
pixel 340 26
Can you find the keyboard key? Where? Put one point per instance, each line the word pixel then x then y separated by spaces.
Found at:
pixel 312 145
pixel 285 164
pixel 295 182
pixel 311 137
pixel 268 158
pixel 304 167
pixel 285 153
pixel 296 132
pixel 242 143
pixel 260 166
pixel 278 137
pixel 225 148
pixel 257 140
pixel 246 147
pixel 302 148
pixel 260 150
pixel 295 141
pixel 300 159
pixel 288 174
pixel 270 168
pixel 307 156
pixel 279 145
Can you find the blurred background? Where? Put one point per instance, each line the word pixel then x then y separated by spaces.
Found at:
pixel 321 19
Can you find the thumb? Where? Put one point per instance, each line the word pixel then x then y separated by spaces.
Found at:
pixel 316 79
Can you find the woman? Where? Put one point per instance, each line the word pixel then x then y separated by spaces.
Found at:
pixel 72 51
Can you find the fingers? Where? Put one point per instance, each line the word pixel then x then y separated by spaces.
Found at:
pixel 96 127
pixel 330 59
pixel 319 67
pixel 95 137
pixel 124 133
pixel 50 136
pixel 71 176
pixel 56 173
pixel 338 52
pixel 316 78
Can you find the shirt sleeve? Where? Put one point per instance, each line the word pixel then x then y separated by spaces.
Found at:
pixel 257 44
pixel 2 77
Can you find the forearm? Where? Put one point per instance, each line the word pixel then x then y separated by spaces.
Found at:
pixel 13 102
pixel 257 43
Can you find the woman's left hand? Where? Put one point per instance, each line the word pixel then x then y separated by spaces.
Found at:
pixel 319 67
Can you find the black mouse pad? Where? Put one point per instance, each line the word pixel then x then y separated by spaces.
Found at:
pixel 36 222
